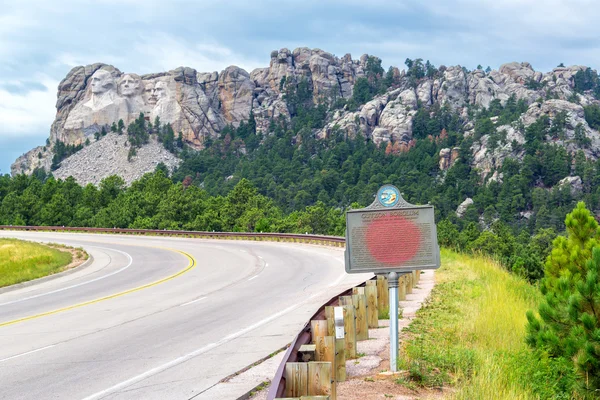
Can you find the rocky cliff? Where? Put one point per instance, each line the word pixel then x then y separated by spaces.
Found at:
pixel 201 104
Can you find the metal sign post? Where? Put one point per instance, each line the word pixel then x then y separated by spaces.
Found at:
pixel 393 288
pixel 392 237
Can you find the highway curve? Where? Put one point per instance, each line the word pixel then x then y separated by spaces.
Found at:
pixel 158 318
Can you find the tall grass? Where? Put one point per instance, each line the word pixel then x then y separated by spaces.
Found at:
pixel 22 261
pixel 470 335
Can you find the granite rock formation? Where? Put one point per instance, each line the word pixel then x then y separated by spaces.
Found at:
pixel 201 104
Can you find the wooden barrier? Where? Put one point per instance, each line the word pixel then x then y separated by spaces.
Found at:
pixel 383 303
pixel 340 360
pixel 349 331
pixel 372 310
pixel 362 326
pixel 318 328
pixel 402 287
pixel 296 379
pixel 340 355
pixel 330 320
pixel 319 379
pixel 326 353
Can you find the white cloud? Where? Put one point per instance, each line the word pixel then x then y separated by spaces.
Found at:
pixel 29 113
pixel 162 52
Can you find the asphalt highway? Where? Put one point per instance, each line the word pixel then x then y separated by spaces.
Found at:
pixel 158 318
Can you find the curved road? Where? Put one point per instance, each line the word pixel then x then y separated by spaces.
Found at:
pixel 158 318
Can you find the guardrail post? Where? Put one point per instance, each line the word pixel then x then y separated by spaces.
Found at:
pixel 402 287
pixel 318 328
pixel 410 279
pixel 383 303
pixel 319 379
pixel 362 326
pixel 329 314
pixel 349 330
pixel 372 310
pixel 296 379
pixel 358 290
pixel 326 352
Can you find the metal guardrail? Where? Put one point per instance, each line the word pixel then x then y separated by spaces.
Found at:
pixel 277 388
pixel 278 237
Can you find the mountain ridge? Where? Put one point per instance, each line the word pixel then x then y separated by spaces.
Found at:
pixel 201 105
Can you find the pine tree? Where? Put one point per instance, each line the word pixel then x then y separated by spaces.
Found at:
pixel 568 327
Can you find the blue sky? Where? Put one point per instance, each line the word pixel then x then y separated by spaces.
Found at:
pixel 40 40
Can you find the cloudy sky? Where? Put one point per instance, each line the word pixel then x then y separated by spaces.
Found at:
pixel 40 40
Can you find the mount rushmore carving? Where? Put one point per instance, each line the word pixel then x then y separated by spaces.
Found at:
pixel 197 104
pixel 110 98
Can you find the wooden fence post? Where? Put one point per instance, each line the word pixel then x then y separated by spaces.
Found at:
pixel 409 284
pixel 349 331
pixel 372 310
pixel 319 379
pixel 358 290
pixel 330 320
pixel 362 326
pixel 296 379
pixel 382 294
pixel 340 360
pixel 326 352
pixel 318 328
pixel 402 287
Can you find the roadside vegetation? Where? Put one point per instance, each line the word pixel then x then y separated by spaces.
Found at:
pixel 471 335
pixel 22 261
pixel 492 334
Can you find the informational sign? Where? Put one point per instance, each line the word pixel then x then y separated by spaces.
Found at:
pixel 391 235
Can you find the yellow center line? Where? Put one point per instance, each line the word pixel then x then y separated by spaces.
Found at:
pixel 192 264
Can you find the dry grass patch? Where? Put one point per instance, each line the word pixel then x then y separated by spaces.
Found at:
pixel 22 261
pixel 470 335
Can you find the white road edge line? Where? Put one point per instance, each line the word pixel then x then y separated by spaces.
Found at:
pixel 193 354
pixel 79 284
pixel 193 301
pixel 29 352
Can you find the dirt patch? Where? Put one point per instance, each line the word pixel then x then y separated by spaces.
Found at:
pixel 79 255
pixel 381 387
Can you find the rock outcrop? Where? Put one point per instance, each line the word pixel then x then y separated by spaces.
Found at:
pixel 201 104
pixel 462 207
pixel 574 183
pixel 448 157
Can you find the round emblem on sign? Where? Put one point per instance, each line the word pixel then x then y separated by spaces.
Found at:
pixel 388 196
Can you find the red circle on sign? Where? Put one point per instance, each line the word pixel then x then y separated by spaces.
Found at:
pixel 393 240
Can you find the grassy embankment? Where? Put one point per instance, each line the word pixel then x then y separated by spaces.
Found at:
pixel 22 261
pixel 470 335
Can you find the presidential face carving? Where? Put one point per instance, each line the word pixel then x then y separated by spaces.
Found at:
pixel 102 82
pixel 161 91
pixel 130 85
pixel 149 93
